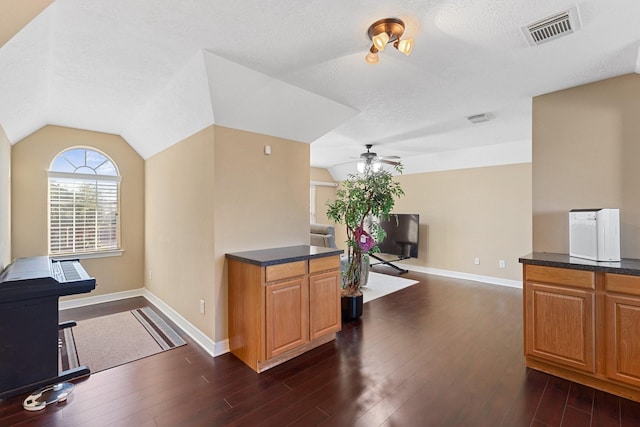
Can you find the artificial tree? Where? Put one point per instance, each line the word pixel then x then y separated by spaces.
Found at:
pixel 360 198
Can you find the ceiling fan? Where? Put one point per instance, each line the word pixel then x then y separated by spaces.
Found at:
pixel 371 160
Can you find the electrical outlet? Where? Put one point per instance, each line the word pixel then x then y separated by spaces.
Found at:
pixel 201 306
pixel 501 263
pixel 476 261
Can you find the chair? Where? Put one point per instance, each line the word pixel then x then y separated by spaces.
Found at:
pixel 323 235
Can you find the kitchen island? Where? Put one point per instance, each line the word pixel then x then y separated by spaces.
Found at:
pixel 282 302
pixel 582 320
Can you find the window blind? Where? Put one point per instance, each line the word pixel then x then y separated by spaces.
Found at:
pixel 83 213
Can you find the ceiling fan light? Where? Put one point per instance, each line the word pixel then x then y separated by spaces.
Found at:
pixel 405 46
pixel 372 57
pixel 380 41
pixel 361 166
pixel 376 167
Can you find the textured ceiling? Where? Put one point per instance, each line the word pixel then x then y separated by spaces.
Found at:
pixel 157 71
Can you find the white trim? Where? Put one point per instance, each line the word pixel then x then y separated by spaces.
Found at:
pixel 99 299
pixel 210 346
pixel 323 184
pixel 88 255
pixel 84 176
pixel 207 344
pixel 465 276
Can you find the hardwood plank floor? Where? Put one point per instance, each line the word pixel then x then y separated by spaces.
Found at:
pixel 443 352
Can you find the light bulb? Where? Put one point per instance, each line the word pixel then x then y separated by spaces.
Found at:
pixel 380 41
pixel 404 46
pixel 361 166
pixel 377 166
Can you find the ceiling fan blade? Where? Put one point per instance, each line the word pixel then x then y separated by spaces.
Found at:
pixel 389 162
pixel 347 162
pixel 390 157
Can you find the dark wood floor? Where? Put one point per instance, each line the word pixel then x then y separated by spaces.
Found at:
pixel 444 352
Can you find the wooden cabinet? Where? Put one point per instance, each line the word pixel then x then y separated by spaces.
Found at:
pixel 622 304
pixel 286 309
pixel 279 311
pixel 560 325
pixel 584 326
pixel 324 304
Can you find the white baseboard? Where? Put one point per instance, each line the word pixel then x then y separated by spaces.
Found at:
pixel 210 346
pixel 465 276
pixel 99 299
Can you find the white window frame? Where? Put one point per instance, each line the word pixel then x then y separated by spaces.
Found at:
pixel 103 186
pixel 312 204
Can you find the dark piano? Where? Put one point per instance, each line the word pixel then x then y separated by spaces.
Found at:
pixel 29 292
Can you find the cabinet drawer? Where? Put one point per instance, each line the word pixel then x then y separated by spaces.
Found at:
pixel 323 264
pixel 284 271
pixel 560 276
pixel 622 283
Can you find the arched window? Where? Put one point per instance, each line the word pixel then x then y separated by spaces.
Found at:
pixel 84 203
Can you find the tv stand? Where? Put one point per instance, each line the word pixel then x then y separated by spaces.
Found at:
pixel 390 263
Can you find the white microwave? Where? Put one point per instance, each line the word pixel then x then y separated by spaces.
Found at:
pixel 594 234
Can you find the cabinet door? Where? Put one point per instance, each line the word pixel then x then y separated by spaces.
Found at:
pixel 324 304
pixel 623 339
pixel 559 325
pixel 286 316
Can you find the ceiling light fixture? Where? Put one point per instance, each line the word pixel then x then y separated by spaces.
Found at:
pixel 368 166
pixel 383 32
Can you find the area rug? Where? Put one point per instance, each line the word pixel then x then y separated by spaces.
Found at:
pixel 104 342
pixel 380 285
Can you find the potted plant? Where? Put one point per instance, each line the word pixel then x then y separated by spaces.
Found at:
pixel 360 198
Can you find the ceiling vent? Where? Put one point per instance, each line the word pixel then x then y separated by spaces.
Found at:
pixel 553 27
pixel 479 118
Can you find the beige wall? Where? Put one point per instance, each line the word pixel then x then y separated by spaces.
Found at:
pixel 323 194
pixel 213 193
pixel 5 200
pixel 469 213
pixel 585 155
pixel 260 201
pixel 179 228
pixel 30 160
pixel 15 14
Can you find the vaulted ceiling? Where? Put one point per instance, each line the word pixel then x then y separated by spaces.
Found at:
pixel 157 71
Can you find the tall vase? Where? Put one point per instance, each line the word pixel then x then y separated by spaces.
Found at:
pixel 364 270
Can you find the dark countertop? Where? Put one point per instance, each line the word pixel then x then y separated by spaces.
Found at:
pixel 625 266
pixel 275 256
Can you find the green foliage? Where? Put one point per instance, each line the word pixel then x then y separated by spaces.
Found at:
pixel 359 199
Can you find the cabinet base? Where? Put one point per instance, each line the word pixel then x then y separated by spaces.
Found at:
pixel 281 358
pixel 598 382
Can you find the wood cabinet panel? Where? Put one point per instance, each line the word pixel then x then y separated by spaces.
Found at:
pixel 246 313
pixel 623 339
pixel 322 264
pixel 284 271
pixel 286 316
pixel 622 283
pixel 324 304
pixel 560 276
pixel 559 325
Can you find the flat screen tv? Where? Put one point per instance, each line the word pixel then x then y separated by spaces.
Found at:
pixel 402 235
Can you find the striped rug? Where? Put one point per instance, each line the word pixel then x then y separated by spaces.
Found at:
pixel 104 342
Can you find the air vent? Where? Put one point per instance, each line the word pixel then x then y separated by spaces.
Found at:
pixel 553 27
pixel 479 118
